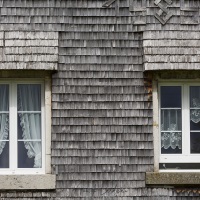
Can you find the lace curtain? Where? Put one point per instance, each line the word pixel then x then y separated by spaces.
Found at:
pixel 170 122
pixel 195 113
pixel 171 135
pixel 29 100
pixel 171 139
pixel 4 116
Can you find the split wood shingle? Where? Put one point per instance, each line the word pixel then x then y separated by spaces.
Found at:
pixel 102 141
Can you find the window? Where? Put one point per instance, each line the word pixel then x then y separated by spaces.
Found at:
pixel 179 126
pixel 25 132
pixel 22 131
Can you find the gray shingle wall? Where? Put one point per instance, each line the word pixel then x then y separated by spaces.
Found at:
pixel 171 50
pixel 176 44
pixel 28 50
pixel 101 109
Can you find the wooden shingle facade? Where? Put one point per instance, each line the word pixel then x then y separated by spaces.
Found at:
pixel 102 55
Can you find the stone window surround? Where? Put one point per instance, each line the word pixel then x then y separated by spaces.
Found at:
pixel 168 178
pixel 36 181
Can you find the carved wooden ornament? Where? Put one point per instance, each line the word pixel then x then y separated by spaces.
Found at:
pixel 163 15
pixel 108 3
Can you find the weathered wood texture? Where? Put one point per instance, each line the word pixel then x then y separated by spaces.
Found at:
pixel 171 50
pixel 175 45
pixel 102 141
pixel 28 50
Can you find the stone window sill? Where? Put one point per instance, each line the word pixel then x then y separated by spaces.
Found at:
pixel 172 178
pixel 28 182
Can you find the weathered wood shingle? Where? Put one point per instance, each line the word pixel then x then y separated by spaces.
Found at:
pixel 28 50
pixel 171 50
pixel 102 141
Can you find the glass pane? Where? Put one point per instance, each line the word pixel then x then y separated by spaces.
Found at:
pixel 171 120
pixel 29 126
pixel 170 96
pixel 194 96
pixel 29 154
pixel 171 126
pixel 4 156
pixel 4 126
pixel 29 97
pixel 4 104
pixel 194 105
pixel 194 121
pixel 171 142
pixel 195 142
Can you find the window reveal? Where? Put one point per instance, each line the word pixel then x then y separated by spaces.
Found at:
pixel 195 119
pixel 179 126
pixel 29 124
pixel 4 126
pixel 171 130
pixel 20 126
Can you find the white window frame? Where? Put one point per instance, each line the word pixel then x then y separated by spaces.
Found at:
pixel 185 157
pixel 13 159
pixel 26 180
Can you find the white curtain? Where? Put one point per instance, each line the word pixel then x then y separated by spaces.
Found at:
pixel 195 113
pixel 4 117
pixel 29 99
pixel 171 135
pixel 171 139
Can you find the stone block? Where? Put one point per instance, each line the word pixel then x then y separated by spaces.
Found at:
pixel 27 182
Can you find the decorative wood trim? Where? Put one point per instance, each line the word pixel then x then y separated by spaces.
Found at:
pixel 163 15
pixel 108 3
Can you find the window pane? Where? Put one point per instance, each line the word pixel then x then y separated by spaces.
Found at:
pixel 194 119
pixel 171 142
pixel 29 154
pixel 4 156
pixel 29 126
pixel 170 96
pixel 195 142
pixel 194 96
pixel 171 120
pixel 29 97
pixel 4 126
pixel 4 104
pixel 194 108
pixel 194 123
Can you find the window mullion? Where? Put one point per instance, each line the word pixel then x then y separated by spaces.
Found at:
pixel 13 126
pixel 186 120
